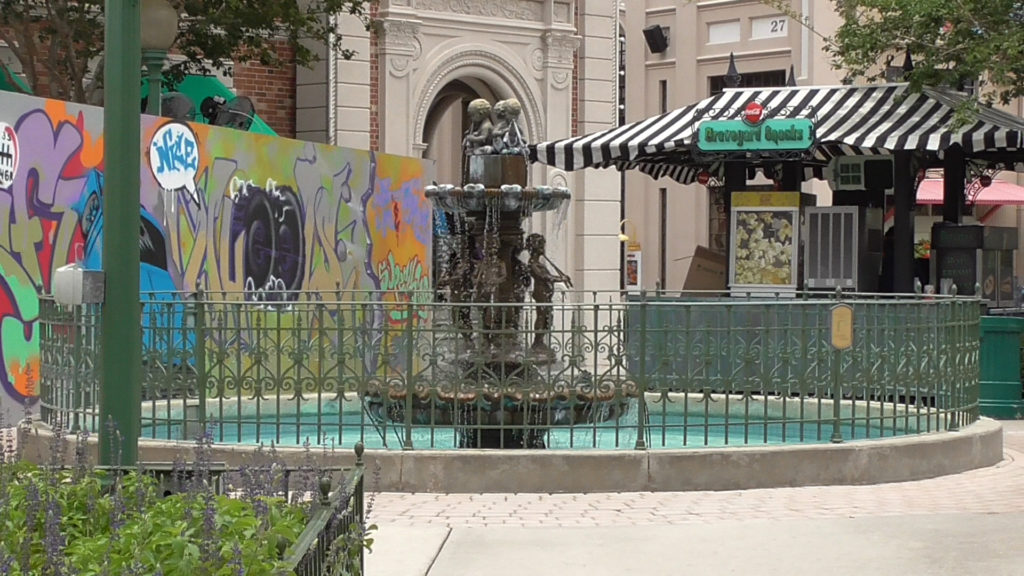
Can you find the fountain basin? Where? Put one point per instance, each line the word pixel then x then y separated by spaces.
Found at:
pixel 506 198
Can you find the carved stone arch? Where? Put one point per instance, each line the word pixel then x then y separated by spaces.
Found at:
pixel 480 62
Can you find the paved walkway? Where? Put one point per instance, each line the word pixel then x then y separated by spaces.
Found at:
pixel 972 523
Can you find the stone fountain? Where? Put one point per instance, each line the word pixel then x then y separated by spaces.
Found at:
pixel 502 383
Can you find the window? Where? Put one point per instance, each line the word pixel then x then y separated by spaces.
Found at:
pixel 723 32
pixel 662 96
pixel 768 79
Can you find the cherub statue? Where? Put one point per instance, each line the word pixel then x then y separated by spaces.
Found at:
pixel 478 139
pixel 507 137
pixel 543 289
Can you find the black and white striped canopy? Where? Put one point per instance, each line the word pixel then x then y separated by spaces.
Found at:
pixel 848 120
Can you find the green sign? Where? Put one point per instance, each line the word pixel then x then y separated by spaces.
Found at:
pixel 772 134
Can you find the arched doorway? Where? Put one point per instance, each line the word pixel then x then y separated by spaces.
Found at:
pixel 446 123
pixel 443 130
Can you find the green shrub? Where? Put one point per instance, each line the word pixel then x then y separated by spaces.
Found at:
pixel 63 522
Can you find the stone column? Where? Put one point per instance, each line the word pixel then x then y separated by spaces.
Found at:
pixel 596 193
pixel 351 102
pixel 400 48
pixel 554 61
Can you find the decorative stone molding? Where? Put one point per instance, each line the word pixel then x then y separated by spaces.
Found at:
pixel 558 179
pixel 560 79
pixel 487 59
pixel 537 59
pixel 530 10
pixel 401 44
pixel 562 12
pixel 560 48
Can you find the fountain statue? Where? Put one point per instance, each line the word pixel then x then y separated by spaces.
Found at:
pixel 496 374
pixel 543 289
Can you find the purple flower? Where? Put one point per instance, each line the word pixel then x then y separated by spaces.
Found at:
pixel 117 510
pixel 201 479
pixel 81 454
pixel 57 446
pixel 6 561
pixel 32 507
pixel 236 564
pixel 178 474
pixel 136 569
pixel 208 544
pixel 54 540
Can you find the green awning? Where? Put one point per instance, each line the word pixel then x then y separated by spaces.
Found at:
pixel 198 88
pixel 19 84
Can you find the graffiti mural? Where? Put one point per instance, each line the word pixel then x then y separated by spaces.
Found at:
pixel 243 215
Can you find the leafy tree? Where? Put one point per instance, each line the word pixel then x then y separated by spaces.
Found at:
pixel 952 43
pixel 65 37
pixel 956 43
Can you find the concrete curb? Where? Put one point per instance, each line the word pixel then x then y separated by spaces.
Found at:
pixel 561 471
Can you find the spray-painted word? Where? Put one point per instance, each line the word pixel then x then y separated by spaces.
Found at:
pixel 174 158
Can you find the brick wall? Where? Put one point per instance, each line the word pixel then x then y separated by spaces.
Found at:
pixel 42 77
pixel 272 89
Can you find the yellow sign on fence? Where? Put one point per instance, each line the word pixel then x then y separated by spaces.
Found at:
pixel 841 324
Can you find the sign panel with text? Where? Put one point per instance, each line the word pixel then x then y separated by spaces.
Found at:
pixel 771 134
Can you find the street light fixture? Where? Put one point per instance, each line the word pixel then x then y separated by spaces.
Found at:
pixel 623 234
pixel 159 30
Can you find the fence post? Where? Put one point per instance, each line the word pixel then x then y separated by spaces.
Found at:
pixel 409 384
pixel 200 356
pixel 837 386
pixel 357 500
pixel 837 396
pixel 641 405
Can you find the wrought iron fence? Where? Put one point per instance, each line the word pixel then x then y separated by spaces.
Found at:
pixel 332 542
pixel 650 371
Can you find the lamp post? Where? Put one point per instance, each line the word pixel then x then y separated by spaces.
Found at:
pixel 159 29
pixel 121 342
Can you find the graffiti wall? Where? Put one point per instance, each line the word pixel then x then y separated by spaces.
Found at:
pixel 254 217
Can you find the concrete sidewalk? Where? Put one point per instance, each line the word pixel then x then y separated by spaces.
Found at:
pixel 967 523
pixel 883 546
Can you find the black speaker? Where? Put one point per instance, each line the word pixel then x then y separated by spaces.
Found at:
pixel 657 39
pixel 878 174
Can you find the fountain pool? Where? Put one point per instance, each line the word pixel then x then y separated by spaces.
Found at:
pixel 671 423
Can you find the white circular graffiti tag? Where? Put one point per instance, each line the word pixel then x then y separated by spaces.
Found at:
pixel 8 155
pixel 174 158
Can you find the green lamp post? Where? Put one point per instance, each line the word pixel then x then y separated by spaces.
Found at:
pixel 121 355
pixel 159 29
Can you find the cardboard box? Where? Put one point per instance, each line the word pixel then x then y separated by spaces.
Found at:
pixel 708 270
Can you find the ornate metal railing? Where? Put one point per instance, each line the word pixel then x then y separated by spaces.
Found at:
pixel 650 371
pixel 332 542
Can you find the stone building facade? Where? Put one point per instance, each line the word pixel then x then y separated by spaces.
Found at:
pixel 406 89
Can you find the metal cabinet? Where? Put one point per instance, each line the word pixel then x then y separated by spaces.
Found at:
pixel 842 248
